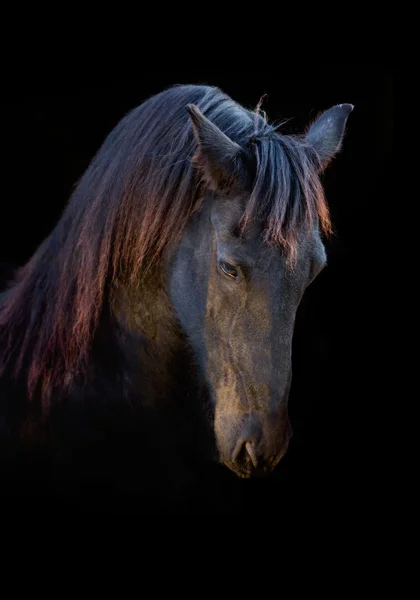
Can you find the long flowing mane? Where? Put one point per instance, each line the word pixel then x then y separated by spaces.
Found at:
pixel 131 204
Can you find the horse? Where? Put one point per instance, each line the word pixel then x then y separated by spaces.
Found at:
pixel 157 317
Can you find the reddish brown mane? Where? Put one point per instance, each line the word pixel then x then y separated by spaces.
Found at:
pixel 132 203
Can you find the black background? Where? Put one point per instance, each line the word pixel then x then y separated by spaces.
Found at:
pixel 49 135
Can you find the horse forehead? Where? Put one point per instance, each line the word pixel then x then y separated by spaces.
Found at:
pixel 227 212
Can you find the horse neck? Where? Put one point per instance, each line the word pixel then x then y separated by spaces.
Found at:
pixel 140 347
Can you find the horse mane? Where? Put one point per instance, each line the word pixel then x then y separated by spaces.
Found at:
pixel 131 204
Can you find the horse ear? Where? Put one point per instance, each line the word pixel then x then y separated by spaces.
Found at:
pixel 221 160
pixel 326 133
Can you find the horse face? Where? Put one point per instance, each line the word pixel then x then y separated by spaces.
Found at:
pixel 236 298
pixel 236 295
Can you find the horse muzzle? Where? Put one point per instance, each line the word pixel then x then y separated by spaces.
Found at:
pixel 252 444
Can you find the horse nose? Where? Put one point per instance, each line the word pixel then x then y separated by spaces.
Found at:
pixel 249 444
pixel 250 448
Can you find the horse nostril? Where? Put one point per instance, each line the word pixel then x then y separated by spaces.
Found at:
pixel 250 448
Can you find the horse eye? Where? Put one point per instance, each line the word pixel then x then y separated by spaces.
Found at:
pixel 228 270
